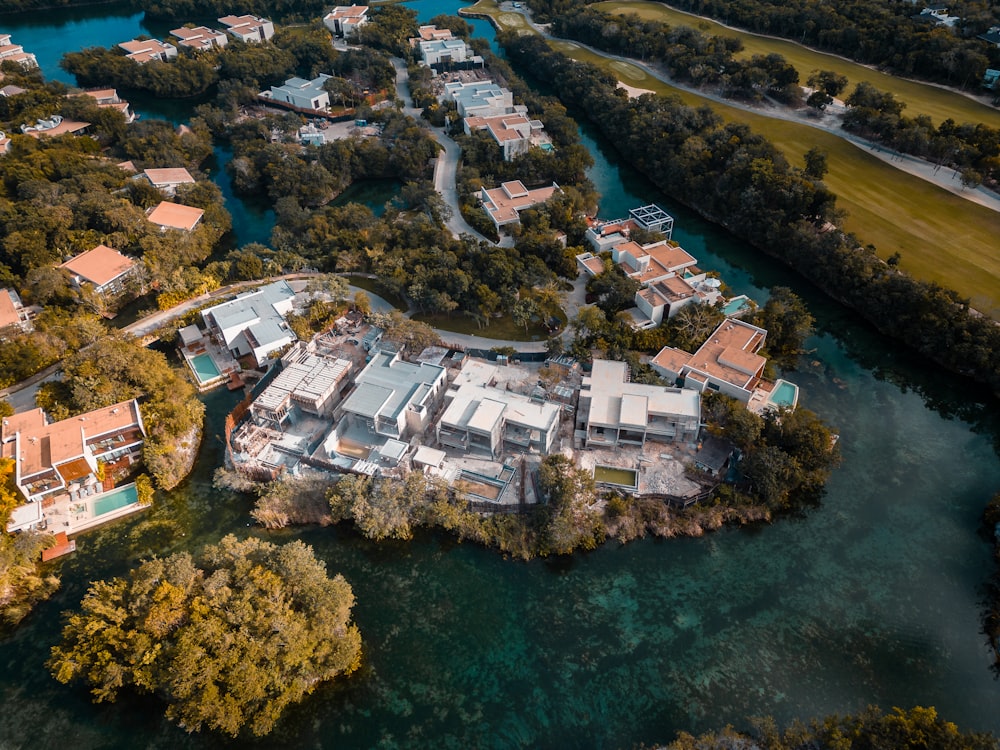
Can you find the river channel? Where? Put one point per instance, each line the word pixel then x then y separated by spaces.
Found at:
pixel 872 597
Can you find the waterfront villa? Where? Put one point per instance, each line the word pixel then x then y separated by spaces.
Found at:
pixel 10 52
pixel 613 411
pixel 481 418
pixel 504 204
pixel 344 20
pixel 109 99
pixel 481 99
pixel 169 215
pixel 393 398
pixel 54 126
pixel 302 94
pixel 248 28
pixel 103 269
pixel 445 51
pixel 168 180
pixel 254 322
pixel 68 461
pixel 200 38
pixel 430 34
pixel 145 50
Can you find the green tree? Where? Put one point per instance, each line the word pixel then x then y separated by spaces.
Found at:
pixel 228 640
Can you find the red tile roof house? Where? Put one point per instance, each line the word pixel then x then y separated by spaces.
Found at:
pixel 168 180
pixel 13 316
pixel 60 460
pixel 503 204
pixel 248 28
pixel 169 215
pixel 103 268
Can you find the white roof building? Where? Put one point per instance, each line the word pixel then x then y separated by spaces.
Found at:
pixel 200 38
pixel 481 98
pixel 144 50
pixel 253 322
pixel 298 92
pixel 614 411
pixel 344 20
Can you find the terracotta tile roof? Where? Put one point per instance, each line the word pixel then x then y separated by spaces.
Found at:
pixel 501 127
pixel 176 216
pixel 730 354
pixel 9 315
pixel 169 176
pixel 66 126
pixel 348 11
pixel 511 197
pixel 99 266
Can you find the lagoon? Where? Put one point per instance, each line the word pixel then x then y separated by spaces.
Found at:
pixel 873 596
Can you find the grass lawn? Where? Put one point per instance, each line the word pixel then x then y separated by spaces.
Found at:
pixel 506 21
pixel 942 237
pixel 920 98
pixel 500 328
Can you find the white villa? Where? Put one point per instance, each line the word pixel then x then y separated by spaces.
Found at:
pixel 104 269
pixel 616 412
pixel 10 52
pixel 515 134
pixel 344 20
pixel 200 38
pixel 482 99
pixel 254 322
pixel 504 204
pixel 144 50
pixel 301 93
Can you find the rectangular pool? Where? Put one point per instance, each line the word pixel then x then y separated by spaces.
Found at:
pixel 117 498
pixel 613 475
pixel 204 368
pixel 784 394
pixel 735 305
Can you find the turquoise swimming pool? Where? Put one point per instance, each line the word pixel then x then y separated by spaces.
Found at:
pixel 784 394
pixel 736 305
pixel 204 368
pixel 116 499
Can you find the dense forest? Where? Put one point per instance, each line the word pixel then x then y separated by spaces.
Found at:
pixel 869 31
pixel 227 639
pixel 736 178
pixel 871 729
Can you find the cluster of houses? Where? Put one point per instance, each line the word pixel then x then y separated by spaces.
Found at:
pixel 245 28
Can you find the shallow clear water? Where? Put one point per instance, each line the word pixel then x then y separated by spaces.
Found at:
pixel 871 597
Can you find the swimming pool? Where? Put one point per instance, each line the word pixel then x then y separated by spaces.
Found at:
pixel 116 499
pixel 784 394
pixel 204 368
pixel 736 305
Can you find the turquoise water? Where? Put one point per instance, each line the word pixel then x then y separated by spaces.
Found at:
pixel 205 368
pixel 784 394
pixel 116 499
pixel 734 305
pixel 872 596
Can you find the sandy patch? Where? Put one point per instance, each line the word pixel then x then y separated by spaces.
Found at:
pixel 633 91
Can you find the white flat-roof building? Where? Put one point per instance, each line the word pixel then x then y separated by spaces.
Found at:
pixel 513 133
pixel 253 322
pixel 298 92
pixel 394 398
pixel 344 20
pixel 248 28
pixel 481 98
pixel 614 411
pixel 442 51
pixel 480 418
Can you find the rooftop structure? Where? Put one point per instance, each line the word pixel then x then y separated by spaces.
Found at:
pixel 444 51
pixel 254 322
pixel 480 418
pixel 10 52
pixel 200 38
pixel 53 126
pixel 12 313
pixel 109 99
pixel 344 20
pixel 103 268
pixel 503 204
pixel 394 398
pixel 168 179
pixel 653 218
pixel 303 94
pixel 175 216
pixel 614 411
pixel 248 28
pixel 513 133
pixel 308 381
pixel 727 362
pixel 430 34
pixel 648 264
pixel 59 457
pixel 482 99
pixel 145 50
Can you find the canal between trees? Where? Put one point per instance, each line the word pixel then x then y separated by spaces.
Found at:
pixel 873 596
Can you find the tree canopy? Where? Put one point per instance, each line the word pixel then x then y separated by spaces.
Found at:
pixel 228 639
